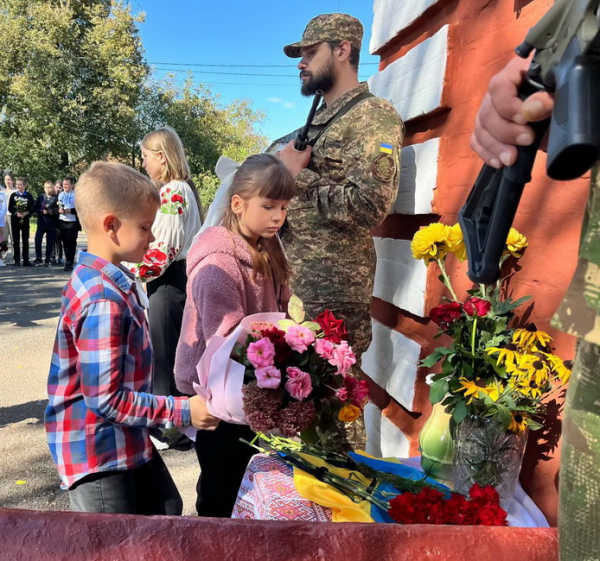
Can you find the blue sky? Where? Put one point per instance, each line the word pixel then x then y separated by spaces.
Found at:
pixel 243 32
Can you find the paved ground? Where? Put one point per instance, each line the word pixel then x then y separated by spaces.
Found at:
pixel 29 307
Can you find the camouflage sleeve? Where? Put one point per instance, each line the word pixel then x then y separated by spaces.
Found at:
pixel 359 170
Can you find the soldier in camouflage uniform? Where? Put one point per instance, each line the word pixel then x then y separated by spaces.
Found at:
pixel 348 183
pixel 579 315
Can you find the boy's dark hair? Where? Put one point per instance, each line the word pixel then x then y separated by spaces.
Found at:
pixel 353 59
pixel 71 180
pixel 22 180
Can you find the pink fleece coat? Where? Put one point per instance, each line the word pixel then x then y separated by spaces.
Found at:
pixel 220 293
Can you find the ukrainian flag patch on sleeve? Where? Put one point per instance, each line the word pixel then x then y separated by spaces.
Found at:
pixel 386 148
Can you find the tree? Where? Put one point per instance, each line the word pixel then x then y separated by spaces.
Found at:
pixel 207 128
pixel 71 72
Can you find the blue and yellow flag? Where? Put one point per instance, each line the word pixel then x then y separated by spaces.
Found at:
pixel 386 148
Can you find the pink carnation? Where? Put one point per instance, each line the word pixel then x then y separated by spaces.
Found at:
pixel 268 377
pixel 342 394
pixel 299 338
pixel 343 358
pixel 298 384
pixel 261 353
pixel 324 348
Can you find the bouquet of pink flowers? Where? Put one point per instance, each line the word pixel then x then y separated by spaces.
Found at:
pixel 297 375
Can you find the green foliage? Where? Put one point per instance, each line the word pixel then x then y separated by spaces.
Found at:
pixel 74 88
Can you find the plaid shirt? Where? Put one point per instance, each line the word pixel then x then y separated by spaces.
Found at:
pixel 99 414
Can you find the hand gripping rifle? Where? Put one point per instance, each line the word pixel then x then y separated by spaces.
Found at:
pixel 302 140
pixel 566 63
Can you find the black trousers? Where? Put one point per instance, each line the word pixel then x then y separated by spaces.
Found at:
pixel 20 232
pixel 167 300
pixel 68 233
pixel 39 235
pixel 223 460
pixel 148 489
pixel 57 252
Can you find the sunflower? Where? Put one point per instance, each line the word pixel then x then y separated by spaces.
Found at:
pixel 430 242
pixel 515 242
pixel 509 355
pixel 560 368
pixel 455 242
pixel 528 337
pixel 518 423
pixel 534 366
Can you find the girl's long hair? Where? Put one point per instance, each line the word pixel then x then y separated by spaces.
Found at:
pixel 263 175
pixel 167 141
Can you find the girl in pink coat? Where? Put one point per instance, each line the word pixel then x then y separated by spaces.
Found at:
pixel 234 270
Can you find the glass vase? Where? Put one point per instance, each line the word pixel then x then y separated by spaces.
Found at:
pixel 487 454
pixel 437 446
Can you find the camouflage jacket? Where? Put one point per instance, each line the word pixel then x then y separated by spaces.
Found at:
pixel 347 188
pixel 579 313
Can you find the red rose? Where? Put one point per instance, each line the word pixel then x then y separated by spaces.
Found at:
pixel 147 271
pixel 179 210
pixel 477 307
pixel 333 329
pixel 164 201
pixel 155 256
pixel 282 350
pixel 176 198
pixel 446 313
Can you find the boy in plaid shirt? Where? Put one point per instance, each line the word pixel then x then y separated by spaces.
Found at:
pixel 100 411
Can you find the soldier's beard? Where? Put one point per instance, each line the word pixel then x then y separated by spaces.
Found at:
pixel 323 81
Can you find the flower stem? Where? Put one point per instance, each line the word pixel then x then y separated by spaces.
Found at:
pixel 446 278
pixel 474 332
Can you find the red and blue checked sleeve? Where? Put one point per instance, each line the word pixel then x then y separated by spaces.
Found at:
pixel 115 362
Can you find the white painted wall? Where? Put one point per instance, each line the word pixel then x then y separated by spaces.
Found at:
pixel 415 82
pixel 392 16
pixel 391 361
pixel 418 178
pixel 400 279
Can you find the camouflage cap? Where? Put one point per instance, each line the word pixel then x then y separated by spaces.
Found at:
pixel 328 27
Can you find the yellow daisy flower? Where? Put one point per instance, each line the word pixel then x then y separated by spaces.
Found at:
pixel 528 337
pixel 491 390
pixel 560 368
pixel 430 242
pixel 518 423
pixel 533 366
pixel 455 242
pixel 509 355
pixel 515 242
pixel 529 387
pixel 472 389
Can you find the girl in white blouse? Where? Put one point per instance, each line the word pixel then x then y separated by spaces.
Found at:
pixel 163 268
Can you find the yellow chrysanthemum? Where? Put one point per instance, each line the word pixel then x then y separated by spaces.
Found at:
pixel 349 413
pixel 529 337
pixel 562 370
pixel 534 366
pixel 518 423
pixel 455 242
pixel 509 356
pixel 515 242
pixel 430 242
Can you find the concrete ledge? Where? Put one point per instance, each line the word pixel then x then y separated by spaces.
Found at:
pixel 42 536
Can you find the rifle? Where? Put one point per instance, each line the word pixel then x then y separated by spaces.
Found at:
pixel 566 63
pixel 301 142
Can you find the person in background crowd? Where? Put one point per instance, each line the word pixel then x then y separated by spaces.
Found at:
pixel 9 185
pixel 163 268
pixel 57 252
pixel 20 205
pixel 68 223
pixel 3 224
pixel 46 207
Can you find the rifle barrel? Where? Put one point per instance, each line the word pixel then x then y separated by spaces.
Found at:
pixel 300 143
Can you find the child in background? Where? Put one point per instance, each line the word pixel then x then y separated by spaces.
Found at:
pixel 46 207
pixel 234 270
pixel 20 206
pixel 3 225
pixel 100 411
pixel 163 267
pixel 68 222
